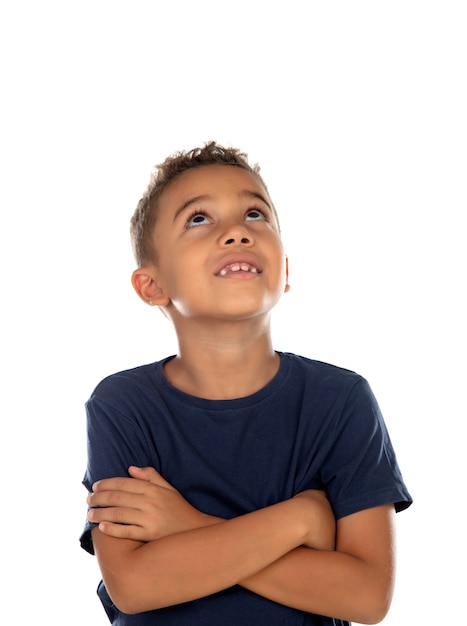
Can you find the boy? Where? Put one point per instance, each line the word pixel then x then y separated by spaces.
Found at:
pixel 215 476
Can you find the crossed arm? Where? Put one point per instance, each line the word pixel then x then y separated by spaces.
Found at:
pixel 154 549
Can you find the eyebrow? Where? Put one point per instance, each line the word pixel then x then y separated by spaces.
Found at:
pixel 242 194
pixel 189 202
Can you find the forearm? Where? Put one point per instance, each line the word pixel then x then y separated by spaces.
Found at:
pixel 328 583
pixel 199 562
pixel 188 554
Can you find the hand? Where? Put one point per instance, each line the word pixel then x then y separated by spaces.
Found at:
pixel 322 525
pixel 144 507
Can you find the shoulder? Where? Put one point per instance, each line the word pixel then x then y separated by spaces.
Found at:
pixel 139 380
pixel 323 386
pixel 320 373
pixel 328 369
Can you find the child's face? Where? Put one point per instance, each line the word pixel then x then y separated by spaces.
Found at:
pixel 217 244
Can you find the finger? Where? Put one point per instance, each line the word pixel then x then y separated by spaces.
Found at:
pixel 115 515
pixel 148 474
pixel 119 483
pixel 122 531
pixel 116 499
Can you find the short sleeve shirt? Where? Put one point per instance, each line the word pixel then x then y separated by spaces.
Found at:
pixel 314 426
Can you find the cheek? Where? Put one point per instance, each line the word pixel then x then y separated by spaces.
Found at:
pixel 279 276
pixel 184 285
pixel 284 272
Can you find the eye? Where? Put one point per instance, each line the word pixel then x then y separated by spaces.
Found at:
pixel 256 215
pixel 198 218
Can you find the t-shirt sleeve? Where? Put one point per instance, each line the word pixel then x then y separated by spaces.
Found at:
pixel 115 441
pixel 360 469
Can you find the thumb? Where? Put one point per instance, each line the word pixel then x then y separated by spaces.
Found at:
pixel 149 474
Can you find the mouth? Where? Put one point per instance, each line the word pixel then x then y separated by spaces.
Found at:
pixel 242 265
pixel 234 268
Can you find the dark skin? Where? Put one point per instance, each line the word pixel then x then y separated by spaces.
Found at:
pixel 141 511
pixel 168 552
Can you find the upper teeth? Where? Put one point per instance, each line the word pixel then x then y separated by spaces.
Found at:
pixel 236 267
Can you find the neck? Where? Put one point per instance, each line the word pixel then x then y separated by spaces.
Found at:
pixel 224 362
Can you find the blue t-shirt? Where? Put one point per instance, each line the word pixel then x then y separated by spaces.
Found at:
pixel 313 426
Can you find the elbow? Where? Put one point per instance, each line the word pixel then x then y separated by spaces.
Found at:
pixel 128 596
pixel 128 608
pixel 372 616
pixel 128 603
pixel 375 617
pixel 375 607
pixel 125 601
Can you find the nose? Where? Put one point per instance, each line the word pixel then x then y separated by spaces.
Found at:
pixel 237 234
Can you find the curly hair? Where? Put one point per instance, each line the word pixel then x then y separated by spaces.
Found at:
pixel 144 218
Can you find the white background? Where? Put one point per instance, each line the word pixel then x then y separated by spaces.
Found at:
pixel 356 112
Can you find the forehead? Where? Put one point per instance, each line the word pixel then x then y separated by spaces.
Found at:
pixel 212 180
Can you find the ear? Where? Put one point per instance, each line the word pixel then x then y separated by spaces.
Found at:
pixel 144 281
pixel 287 286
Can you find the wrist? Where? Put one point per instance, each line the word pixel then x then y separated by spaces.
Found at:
pixel 318 520
pixel 209 520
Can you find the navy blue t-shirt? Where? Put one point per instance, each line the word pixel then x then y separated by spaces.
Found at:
pixel 313 426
